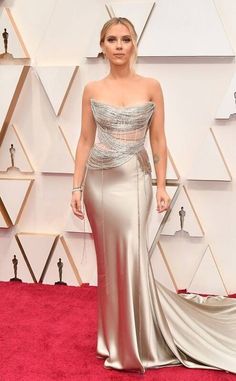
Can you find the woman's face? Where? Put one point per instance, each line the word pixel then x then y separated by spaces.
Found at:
pixel 118 45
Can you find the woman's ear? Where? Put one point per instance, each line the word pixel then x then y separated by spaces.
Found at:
pixel 103 49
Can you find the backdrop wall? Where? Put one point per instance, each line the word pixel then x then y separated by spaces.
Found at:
pixel 189 47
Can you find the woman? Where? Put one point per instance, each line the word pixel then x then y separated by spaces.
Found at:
pixel 141 324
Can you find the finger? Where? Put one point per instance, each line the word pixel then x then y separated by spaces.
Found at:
pixel 79 214
pixel 159 203
pixel 77 211
pixel 161 206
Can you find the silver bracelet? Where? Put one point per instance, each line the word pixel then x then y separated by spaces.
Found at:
pixel 80 189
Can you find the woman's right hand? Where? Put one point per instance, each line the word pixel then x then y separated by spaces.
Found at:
pixel 76 204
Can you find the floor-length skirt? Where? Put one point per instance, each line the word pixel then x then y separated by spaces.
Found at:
pixel 141 323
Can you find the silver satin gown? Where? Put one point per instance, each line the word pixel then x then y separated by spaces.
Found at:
pixel 141 323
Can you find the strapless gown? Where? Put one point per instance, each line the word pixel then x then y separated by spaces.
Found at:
pixel 141 323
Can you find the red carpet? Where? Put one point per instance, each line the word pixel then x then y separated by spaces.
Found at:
pixel 48 333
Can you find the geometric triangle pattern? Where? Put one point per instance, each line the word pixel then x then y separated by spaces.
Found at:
pixel 185 28
pixel 37 249
pixel 182 255
pixel 14 193
pixel 209 163
pixel 183 218
pixel 16 45
pixel 7 268
pixel 12 78
pixel 70 273
pixel 3 221
pixel 138 12
pixel 207 278
pixel 83 254
pixel 20 157
pixel 56 81
pixel 59 158
pixel 196 36
pixel 228 104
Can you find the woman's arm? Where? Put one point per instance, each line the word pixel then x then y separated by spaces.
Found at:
pixel 86 139
pixel 85 143
pixel 159 146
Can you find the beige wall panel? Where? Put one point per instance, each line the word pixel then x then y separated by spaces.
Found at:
pixel 216 208
pixel 59 158
pixel 21 159
pixel 14 193
pixel 181 28
pixel 208 270
pixel 36 121
pixel 45 38
pixel 193 91
pixel 209 163
pixel 81 247
pixel 183 254
pixel 3 222
pixel 227 10
pixel 227 107
pixel 189 110
pixel 16 46
pixel 191 225
pixel 9 78
pixel 36 247
pixel 33 19
pixel 52 273
pixel 70 118
pixel 56 81
pixel 5 218
pixel 226 137
pixel 7 269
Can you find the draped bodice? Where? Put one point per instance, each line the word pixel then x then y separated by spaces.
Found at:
pixel 121 133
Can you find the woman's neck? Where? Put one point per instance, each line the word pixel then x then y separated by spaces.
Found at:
pixel 119 72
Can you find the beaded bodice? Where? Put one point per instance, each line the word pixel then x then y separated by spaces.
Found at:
pixel 121 133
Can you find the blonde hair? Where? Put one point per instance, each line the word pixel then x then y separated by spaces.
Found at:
pixel 129 25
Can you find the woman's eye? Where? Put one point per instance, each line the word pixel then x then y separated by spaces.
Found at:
pixel 112 39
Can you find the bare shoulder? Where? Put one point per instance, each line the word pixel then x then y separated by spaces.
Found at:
pixel 89 88
pixel 152 83
pixel 153 87
pixel 92 88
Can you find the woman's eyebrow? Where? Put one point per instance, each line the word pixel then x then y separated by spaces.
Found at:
pixel 127 35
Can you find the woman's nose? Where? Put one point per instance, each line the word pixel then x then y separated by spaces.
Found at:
pixel 119 44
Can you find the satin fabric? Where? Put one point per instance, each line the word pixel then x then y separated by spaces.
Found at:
pixel 141 323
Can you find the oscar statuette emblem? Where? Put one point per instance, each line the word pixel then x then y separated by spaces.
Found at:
pixel 182 214
pixel 12 168
pixel 5 36
pixel 60 266
pixel 15 264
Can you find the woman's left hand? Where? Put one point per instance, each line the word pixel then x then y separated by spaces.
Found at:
pixel 163 199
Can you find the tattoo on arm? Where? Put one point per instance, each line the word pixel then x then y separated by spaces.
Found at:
pixel 156 158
